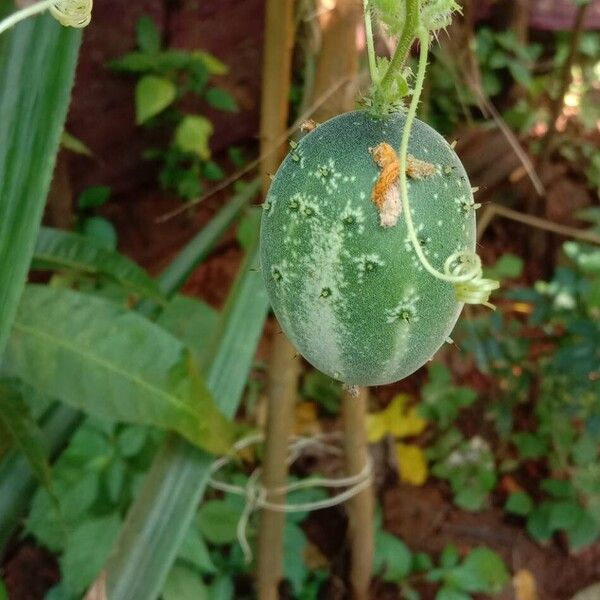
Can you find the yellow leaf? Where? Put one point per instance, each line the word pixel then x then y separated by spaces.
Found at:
pixel 306 422
pixel 395 420
pixel 525 585
pixel 377 427
pixel 412 464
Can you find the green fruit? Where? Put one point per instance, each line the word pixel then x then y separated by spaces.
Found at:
pixel 351 295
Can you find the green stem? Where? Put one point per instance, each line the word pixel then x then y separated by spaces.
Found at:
pixel 24 13
pixel 406 39
pixel 423 37
pixel 370 43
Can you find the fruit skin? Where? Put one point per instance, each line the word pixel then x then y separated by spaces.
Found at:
pixel 351 295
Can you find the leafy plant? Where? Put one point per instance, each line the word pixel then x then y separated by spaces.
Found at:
pixel 167 78
pixel 92 225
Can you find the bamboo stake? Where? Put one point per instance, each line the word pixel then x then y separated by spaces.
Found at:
pixel 360 507
pixel 285 366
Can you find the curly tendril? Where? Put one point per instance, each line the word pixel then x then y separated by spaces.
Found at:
pixel 462 269
pixel 70 13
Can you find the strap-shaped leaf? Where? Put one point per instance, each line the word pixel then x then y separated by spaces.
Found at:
pixel 24 431
pixel 37 63
pixel 58 249
pixel 163 510
pixel 113 363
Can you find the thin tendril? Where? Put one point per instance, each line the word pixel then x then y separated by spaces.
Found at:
pixel 370 42
pixel 463 269
pixel 24 13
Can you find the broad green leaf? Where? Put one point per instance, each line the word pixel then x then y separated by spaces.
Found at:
pixel 221 99
pixel 57 249
pixel 37 64
pixel 217 521
pixel 392 559
pixel 192 135
pixel 449 593
pixel 87 549
pixel 190 321
pixel 152 95
pixel 295 569
pixel 62 250
pixel 24 431
pixel 483 571
pixel 147 34
pixel 508 266
pixel 184 584
pixel 165 506
pixel 519 503
pixel 450 556
pixel 194 551
pixel 112 363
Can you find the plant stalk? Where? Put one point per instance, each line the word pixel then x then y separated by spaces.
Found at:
pixel 370 43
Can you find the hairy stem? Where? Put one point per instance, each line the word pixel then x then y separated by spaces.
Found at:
pixel 411 24
pixel 24 13
pixel 370 42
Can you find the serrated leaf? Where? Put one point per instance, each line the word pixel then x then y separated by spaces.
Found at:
pixel 112 363
pixel 57 249
pixel 37 65
pixel 24 431
pixel 152 95
pixel 192 135
pixel 221 99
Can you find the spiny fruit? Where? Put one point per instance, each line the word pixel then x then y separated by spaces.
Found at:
pixel 351 294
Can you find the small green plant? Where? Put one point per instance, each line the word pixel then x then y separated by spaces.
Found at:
pixel 169 78
pixel 92 225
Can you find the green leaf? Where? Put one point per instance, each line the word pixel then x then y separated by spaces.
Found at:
pixel 508 266
pixel 538 522
pixel 221 100
pixel 564 514
pixel 191 321
pixel 194 551
pixel 152 95
pixel 248 225
pixel 519 503
pixel 212 171
pixel 166 504
pixel 3 591
pixel 583 532
pixel 450 556
pixel 392 559
pixel 192 135
pixel 37 65
pixel 449 593
pixel 558 488
pixel 222 588
pixel 93 197
pixel 530 445
pixel 217 521
pixel 70 142
pixel 213 64
pixel 57 249
pixel 112 363
pixel 147 34
pixel 101 231
pixel 24 431
pixel 87 549
pixel 131 440
pixel 184 584
pixel 483 571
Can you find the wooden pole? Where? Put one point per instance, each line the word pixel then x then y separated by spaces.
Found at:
pixel 360 507
pixel 285 367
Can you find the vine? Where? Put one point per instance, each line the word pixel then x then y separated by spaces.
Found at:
pixel 420 20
